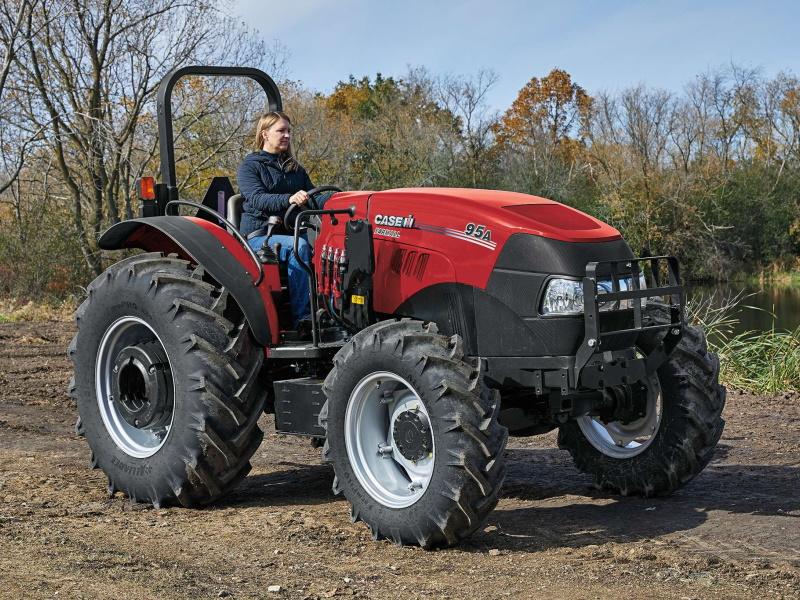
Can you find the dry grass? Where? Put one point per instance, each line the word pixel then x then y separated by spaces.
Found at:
pixel 783 273
pixel 13 310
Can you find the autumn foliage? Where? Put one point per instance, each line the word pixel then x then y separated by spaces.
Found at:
pixel 553 107
pixel 711 174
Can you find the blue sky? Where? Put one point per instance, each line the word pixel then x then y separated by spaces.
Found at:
pixel 603 45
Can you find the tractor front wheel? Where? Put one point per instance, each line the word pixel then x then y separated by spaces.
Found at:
pixel 413 434
pixel 165 382
pixel 674 440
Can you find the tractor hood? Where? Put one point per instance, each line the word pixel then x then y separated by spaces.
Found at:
pixel 427 237
pixel 503 213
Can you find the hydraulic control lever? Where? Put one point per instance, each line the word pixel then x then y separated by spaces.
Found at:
pixel 312 280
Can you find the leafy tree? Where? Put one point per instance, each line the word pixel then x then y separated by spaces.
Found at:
pixel 541 139
pixel 395 126
pixel 552 109
pixel 470 143
pixel 91 73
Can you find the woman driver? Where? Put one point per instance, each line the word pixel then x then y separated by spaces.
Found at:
pixel 270 179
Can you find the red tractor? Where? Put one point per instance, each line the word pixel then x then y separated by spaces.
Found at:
pixel 444 319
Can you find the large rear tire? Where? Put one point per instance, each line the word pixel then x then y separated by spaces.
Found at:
pixel 165 382
pixel 413 435
pixel 685 432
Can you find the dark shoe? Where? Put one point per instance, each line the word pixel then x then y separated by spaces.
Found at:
pixel 304 329
pixel 325 320
pixel 267 255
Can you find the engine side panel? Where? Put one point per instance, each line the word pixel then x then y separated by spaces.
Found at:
pixel 402 271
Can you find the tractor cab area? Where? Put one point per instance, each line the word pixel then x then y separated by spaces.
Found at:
pixel 222 206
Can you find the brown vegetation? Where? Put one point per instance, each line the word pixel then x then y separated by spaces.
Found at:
pixel 711 174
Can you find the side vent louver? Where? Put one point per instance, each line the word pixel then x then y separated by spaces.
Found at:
pixel 409 262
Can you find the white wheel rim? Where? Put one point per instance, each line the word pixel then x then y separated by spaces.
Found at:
pixel 372 411
pixel 133 441
pixel 626 440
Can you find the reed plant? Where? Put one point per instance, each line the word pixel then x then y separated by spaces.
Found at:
pixel 760 362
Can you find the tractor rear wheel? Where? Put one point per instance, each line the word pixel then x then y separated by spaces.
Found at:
pixel 412 434
pixel 674 441
pixel 165 382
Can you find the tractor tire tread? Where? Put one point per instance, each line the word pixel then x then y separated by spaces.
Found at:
pixel 221 385
pixel 473 462
pixel 691 425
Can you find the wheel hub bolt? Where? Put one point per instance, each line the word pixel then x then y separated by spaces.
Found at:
pixel 384 450
pixel 415 485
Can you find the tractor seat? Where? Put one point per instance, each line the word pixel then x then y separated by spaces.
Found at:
pixel 234 210
pixel 234 215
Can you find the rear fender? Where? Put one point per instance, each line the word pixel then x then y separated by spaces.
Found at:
pixel 218 252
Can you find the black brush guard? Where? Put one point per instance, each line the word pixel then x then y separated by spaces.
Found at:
pixel 610 353
pixel 596 368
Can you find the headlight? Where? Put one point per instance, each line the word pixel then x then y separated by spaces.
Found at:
pixel 565 296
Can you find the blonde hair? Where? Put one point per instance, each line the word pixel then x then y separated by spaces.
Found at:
pixel 267 120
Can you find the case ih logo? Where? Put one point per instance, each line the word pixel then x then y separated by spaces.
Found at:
pixel 395 221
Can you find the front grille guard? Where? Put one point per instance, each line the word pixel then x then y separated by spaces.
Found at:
pixel 593 340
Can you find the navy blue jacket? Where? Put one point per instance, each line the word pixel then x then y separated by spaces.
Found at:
pixel 266 188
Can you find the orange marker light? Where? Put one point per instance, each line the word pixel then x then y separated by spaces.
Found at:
pixel 146 187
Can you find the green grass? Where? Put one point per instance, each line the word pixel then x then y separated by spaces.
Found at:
pixel 761 362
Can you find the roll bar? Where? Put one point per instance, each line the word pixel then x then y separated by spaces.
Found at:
pixel 166 144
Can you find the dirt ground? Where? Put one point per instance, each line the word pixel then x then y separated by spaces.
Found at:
pixel 734 532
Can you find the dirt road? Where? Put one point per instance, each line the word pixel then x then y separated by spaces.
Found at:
pixel 732 533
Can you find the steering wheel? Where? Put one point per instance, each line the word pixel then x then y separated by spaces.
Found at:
pixel 311 193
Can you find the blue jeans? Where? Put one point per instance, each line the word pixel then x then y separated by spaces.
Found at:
pixel 298 278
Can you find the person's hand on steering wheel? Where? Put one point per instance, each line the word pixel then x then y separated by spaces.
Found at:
pixel 299 198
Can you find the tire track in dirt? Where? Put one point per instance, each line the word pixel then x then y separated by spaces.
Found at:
pixel 734 532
